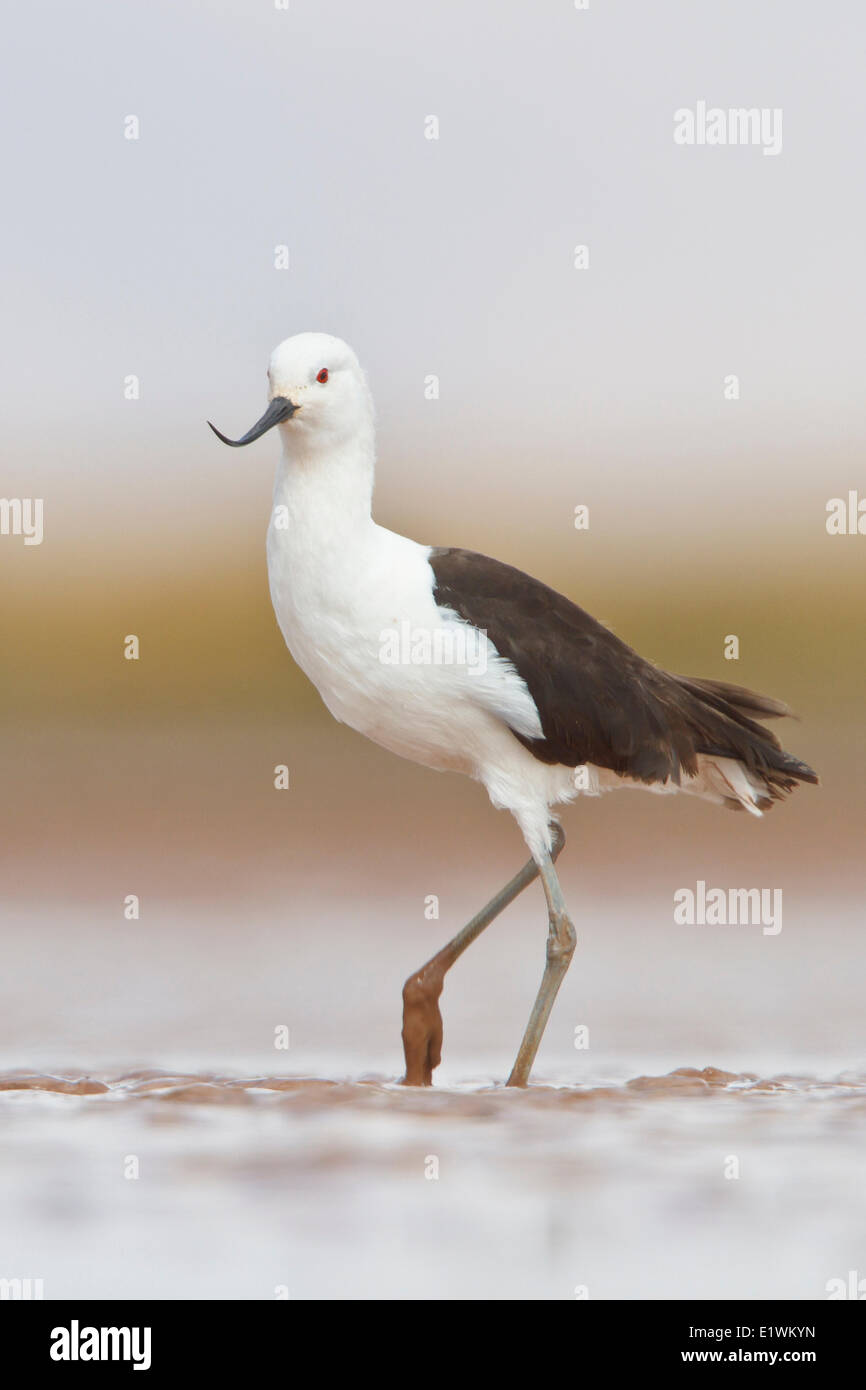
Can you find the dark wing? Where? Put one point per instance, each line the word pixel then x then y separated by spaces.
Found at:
pixel 598 701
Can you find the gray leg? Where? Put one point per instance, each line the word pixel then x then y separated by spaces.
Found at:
pixel 561 941
pixel 422 1021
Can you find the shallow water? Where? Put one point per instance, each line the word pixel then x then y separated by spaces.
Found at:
pixel 151 1045
pixel 253 1187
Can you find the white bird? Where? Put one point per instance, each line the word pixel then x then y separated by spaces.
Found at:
pixel 463 663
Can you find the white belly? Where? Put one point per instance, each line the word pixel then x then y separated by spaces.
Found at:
pixel 368 633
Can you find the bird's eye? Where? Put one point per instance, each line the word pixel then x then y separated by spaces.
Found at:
pixel 323 375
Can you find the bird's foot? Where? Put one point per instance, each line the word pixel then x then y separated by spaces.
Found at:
pixel 422 1023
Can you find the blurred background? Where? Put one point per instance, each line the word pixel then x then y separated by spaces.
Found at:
pixel 154 258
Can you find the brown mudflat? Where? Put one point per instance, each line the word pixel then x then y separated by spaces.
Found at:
pixel 383 1093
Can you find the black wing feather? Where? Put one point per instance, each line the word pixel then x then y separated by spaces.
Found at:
pixel 599 701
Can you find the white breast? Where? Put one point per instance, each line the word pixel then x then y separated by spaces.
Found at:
pixel 358 614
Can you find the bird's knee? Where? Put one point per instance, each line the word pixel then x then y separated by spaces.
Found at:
pixel 561 939
pixel 422 988
pixel 414 994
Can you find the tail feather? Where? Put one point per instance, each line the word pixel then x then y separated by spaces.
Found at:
pixel 749 765
pixel 738 696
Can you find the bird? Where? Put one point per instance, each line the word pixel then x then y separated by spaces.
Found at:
pixel 463 663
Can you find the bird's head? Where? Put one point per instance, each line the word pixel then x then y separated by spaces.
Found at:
pixel 316 392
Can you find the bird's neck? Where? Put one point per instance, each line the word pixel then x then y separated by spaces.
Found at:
pixel 325 494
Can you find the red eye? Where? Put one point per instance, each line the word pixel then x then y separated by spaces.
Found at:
pixel 323 375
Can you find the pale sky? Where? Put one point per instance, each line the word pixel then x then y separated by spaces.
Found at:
pixel 305 127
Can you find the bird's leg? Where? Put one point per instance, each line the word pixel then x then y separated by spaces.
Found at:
pixel 561 941
pixel 422 1021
